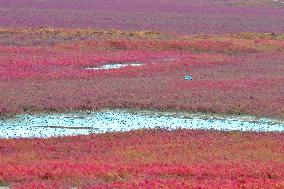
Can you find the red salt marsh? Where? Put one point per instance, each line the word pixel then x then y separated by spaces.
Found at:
pixel 44 69
pixel 175 16
pixel 145 159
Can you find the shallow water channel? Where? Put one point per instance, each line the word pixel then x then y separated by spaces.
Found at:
pixel 77 123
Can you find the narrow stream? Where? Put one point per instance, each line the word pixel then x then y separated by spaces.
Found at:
pixel 77 123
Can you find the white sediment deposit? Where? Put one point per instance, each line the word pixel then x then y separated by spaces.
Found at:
pixel 113 66
pixel 77 123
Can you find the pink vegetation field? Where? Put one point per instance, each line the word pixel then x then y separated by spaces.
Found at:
pixel 145 159
pixel 45 70
pixel 51 58
pixel 175 16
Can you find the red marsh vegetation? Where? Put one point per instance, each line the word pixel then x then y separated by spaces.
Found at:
pixel 45 70
pixel 145 159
